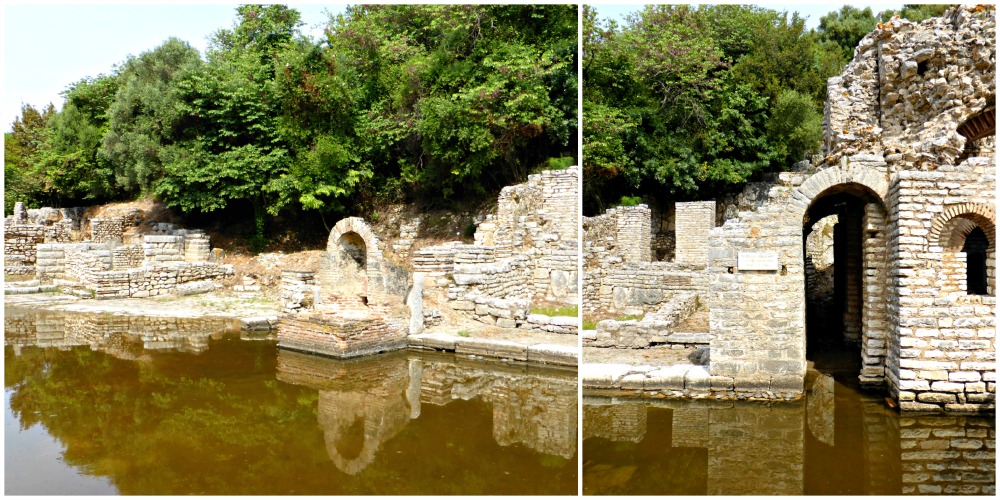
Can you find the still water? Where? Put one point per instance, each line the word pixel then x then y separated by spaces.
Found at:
pixel 837 441
pixel 100 404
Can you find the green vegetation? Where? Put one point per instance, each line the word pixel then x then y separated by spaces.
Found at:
pixel 434 104
pixel 687 102
pixel 572 311
pixel 629 317
pixel 589 324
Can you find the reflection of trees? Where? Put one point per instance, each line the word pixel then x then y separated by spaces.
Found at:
pixel 218 422
pixel 149 428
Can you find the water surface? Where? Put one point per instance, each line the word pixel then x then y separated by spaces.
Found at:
pixel 124 405
pixel 837 441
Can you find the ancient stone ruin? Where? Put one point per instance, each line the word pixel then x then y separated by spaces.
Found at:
pixel 355 301
pixel 102 258
pixel 904 198
pixel 362 302
pixel 524 253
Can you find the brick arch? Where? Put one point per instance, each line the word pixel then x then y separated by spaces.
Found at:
pixel 845 173
pixel 956 222
pixel 358 226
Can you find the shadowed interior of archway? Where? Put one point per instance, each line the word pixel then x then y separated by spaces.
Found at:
pixel 834 287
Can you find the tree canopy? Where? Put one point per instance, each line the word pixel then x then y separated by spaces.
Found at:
pixel 685 102
pixel 435 104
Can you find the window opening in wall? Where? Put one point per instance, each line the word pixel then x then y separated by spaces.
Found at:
pixel 975 247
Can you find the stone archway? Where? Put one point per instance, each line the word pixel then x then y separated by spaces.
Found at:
pixel 858 304
pixel 353 254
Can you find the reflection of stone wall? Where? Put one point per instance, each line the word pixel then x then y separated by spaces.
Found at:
pixel 537 411
pixel 623 421
pixel 365 402
pixel 122 336
pixel 948 455
pixel 767 445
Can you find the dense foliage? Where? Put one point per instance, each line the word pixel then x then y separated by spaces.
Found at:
pixel 425 103
pixel 685 102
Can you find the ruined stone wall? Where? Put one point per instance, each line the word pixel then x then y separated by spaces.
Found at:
pixel 108 230
pixel 911 86
pixel 643 286
pixel 20 243
pixel 757 317
pixel 898 116
pixel 126 257
pixel 527 251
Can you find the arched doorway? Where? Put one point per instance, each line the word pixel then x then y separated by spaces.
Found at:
pixel 844 251
pixel 352 255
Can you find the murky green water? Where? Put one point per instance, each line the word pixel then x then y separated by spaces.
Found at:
pixel 117 405
pixel 837 441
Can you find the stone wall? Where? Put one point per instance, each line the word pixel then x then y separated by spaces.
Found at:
pixel 526 252
pixel 946 351
pixel 108 230
pixel 108 270
pixel 694 221
pixel 639 286
pixel 896 130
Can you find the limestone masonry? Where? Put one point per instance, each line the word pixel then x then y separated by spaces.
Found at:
pixel 892 229
pixel 362 301
pixel 111 263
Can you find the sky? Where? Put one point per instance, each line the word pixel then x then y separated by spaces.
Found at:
pixel 47 45
pixel 812 11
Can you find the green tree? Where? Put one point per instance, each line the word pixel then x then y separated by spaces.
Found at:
pixel 67 160
pixel 22 182
pixel 227 146
pixel 144 113
pixel 846 28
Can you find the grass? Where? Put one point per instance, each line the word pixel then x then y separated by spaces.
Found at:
pixel 572 311
pixel 591 323
pixel 637 317
pixel 463 333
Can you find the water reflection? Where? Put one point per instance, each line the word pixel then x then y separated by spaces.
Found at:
pixel 366 402
pixel 240 417
pixel 123 336
pixel 837 441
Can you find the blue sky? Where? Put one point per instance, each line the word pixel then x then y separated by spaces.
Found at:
pixel 812 11
pixel 47 46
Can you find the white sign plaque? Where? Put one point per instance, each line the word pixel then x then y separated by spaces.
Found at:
pixel 757 261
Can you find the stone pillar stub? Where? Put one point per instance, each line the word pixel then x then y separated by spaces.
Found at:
pixel 693 221
pixel 633 234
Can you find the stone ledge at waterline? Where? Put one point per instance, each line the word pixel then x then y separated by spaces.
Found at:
pixel 685 381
